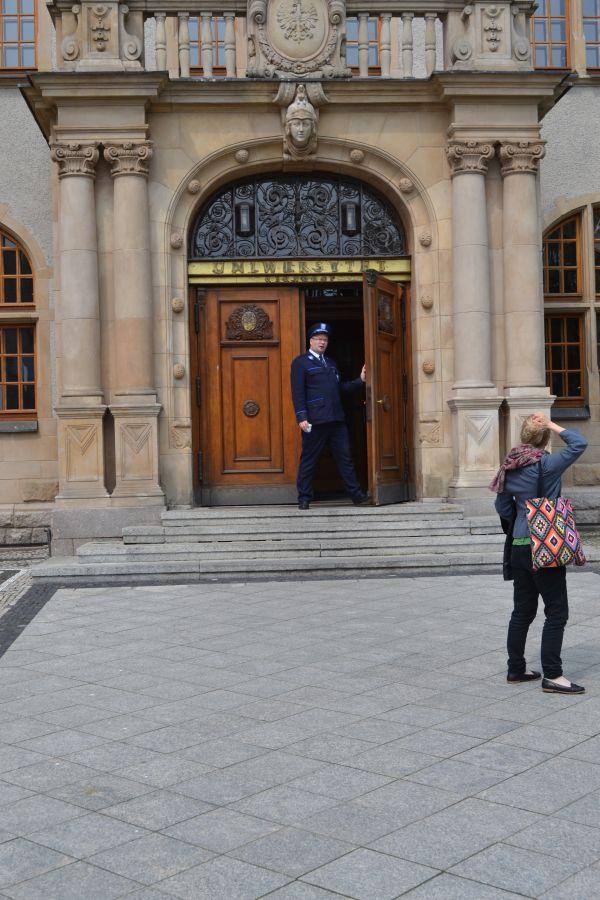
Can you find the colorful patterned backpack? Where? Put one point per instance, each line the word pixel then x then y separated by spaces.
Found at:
pixel 554 536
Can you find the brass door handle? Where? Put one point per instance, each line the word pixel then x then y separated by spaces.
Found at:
pixel 386 403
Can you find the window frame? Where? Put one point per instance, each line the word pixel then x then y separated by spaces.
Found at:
pixel 372 70
pixel 596 18
pixel 18 305
pixel 217 69
pixel 565 401
pixel 19 15
pixel 561 297
pixel 549 43
pixel 20 414
pixel 595 266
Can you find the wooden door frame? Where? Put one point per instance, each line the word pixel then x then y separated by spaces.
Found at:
pixel 198 375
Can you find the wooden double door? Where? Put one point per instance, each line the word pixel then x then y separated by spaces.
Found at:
pixel 246 440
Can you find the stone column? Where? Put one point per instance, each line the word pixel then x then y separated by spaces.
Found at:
pixel 525 388
pixel 134 405
pixel 81 408
pixel 475 402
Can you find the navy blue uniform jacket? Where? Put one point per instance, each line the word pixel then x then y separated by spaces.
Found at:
pixel 316 390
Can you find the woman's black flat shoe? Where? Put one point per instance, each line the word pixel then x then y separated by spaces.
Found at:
pixel 528 676
pixel 550 687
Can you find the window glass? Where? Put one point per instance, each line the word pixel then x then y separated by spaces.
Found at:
pixel 17 369
pixel 16 283
pixel 549 34
pixel 597 247
pixel 352 42
pixel 218 36
pixel 564 356
pixel 17 34
pixel 562 259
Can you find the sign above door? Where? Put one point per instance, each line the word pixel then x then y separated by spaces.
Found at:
pixel 294 271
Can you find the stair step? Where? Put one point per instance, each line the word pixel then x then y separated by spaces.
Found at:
pixel 257 513
pixel 246 569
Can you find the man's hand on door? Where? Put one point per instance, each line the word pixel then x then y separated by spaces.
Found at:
pixel 304 425
pixel 363 374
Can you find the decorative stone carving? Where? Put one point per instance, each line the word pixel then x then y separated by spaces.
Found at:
pixel 357 156
pixel 430 433
pixel 426 301
pixel 128 157
pixel 296 37
pixel 477 427
pixel 194 186
pixel 406 185
pixel 493 28
pixel 300 127
pixel 97 36
pixel 131 45
pixel 521 157
pixel 178 371
pixel 177 304
pixel 428 367
pixel 251 408
pixel 180 437
pixel 469 156
pixel 69 46
pixel 249 323
pixel 242 156
pixel 75 159
pixel 425 238
pixel 176 240
pixel 385 314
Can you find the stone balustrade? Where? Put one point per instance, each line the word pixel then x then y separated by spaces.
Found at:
pixel 413 38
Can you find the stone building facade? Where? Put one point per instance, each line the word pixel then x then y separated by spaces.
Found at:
pixel 189 187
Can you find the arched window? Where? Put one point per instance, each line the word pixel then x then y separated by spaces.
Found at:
pixel 591 33
pixel 303 216
pixel 550 35
pixel 562 259
pixel 17 339
pixel 17 34
pixel 16 277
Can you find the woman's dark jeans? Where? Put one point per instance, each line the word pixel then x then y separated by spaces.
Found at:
pixel 528 585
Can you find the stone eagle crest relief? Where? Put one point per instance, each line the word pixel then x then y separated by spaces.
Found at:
pixel 297 19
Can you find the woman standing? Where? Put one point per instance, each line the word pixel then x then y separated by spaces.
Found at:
pixel 529 471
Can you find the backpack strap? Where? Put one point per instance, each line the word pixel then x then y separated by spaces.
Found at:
pixel 540 479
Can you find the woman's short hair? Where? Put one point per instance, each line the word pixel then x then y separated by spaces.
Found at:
pixel 533 433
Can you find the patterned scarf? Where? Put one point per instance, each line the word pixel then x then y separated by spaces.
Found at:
pixel 520 456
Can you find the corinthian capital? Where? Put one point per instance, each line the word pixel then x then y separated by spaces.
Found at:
pixel 521 157
pixel 128 157
pixel 469 156
pixel 75 159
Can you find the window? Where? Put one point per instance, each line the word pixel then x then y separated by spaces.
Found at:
pixel 16 278
pixel 565 357
pixel 549 30
pixel 218 36
pixel 17 369
pixel 562 266
pixel 597 248
pixel 17 34
pixel 352 43
pixel 591 32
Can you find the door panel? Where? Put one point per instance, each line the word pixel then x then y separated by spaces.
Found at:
pixel 248 437
pixel 389 417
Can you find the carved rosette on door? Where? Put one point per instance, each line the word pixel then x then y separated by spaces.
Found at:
pixel 249 323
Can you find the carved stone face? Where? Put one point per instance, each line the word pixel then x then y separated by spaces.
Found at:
pixel 300 129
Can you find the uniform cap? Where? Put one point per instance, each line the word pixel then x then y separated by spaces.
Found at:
pixel 320 327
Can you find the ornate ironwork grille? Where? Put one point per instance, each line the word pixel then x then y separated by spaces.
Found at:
pixel 297 216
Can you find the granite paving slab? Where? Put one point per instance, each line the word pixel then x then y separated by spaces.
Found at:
pixel 296 740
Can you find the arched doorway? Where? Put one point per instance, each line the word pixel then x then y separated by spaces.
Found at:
pixel 269 255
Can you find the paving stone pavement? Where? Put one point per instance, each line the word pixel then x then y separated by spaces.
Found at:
pixel 297 741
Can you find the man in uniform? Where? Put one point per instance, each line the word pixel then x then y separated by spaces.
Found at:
pixel 316 393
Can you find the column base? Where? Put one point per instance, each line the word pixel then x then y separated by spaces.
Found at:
pixel 81 455
pixel 520 403
pixel 476 445
pixel 136 453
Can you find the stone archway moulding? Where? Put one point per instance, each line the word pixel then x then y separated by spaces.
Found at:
pixel 389 176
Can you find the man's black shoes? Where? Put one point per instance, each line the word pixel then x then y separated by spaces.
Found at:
pixel 303 504
pixel 359 499
pixel 526 676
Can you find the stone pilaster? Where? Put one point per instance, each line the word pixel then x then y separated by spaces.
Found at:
pixel 81 408
pixel 525 387
pixel 134 404
pixel 475 402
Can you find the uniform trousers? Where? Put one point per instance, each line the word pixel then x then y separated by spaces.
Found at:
pixel 313 443
pixel 528 585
